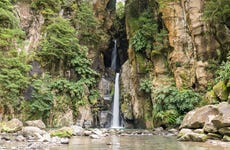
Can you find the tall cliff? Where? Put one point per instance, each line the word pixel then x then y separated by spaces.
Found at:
pixel 182 58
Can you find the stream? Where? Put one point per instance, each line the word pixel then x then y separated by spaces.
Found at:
pixel 138 143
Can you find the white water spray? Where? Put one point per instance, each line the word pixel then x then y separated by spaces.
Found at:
pixel 116 110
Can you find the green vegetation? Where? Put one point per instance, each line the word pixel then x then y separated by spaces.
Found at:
pixel 47 7
pixel 13 66
pixel 148 36
pixel 69 82
pixel 217 16
pixel 223 73
pixel 217 12
pixel 146 85
pixel 172 104
pixel 86 23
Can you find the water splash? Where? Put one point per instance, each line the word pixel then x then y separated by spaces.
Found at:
pixel 116 109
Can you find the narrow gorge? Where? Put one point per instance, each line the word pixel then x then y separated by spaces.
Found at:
pixel 65 61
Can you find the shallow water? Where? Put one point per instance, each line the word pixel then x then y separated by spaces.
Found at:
pixel 137 143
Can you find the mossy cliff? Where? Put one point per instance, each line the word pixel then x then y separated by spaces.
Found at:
pixel 53 59
pixel 172 44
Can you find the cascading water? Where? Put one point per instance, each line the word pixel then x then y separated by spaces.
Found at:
pixel 116 109
pixel 114 56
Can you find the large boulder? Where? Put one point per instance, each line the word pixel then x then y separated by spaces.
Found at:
pixel 36 123
pixel 35 133
pixel 223 119
pixel 197 118
pixel 12 126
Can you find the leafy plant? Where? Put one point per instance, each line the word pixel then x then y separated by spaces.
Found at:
pixel 217 11
pixel 42 98
pixel 146 85
pixel 13 79
pixel 173 101
pixel 223 73
pixel 149 36
pixel 86 23
pixel 47 7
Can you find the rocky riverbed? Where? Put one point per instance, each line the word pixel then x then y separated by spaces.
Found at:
pixel 35 135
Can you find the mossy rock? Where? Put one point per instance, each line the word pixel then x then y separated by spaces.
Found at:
pixel 221 91
pixel 66 132
pixel 12 126
pixel 224 131
pixel 210 98
pixel 226 138
pixel 214 136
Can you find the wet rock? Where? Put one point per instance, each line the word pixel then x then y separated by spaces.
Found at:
pixel 223 119
pixel 64 141
pixel 12 126
pixel 183 132
pixel 94 136
pixel 226 138
pixel 158 131
pixel 173 131
pixel 20 138
pixel 63 132
pixel 209 128
pixel 225 131
pixel 33 133
pixel 36 123
pixel 87 133
pixel 200 131
pixel 197 118
pixel 46 138
pixel 189 135
pixel 98 132
pixel 36 146
pixel 77 130
pixel 56 139
pixel 214 136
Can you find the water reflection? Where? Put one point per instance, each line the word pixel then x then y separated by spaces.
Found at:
pixel 136 143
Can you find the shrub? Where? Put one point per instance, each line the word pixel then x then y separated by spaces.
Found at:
pixel 223 73
pixel 146 85
pixel 149 36
pixel 170 103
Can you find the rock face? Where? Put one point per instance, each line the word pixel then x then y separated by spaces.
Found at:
pixel 212 119
pixel 31 23
pixel 190 48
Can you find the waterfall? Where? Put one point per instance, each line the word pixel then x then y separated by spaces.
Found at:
pixel 116 110
pixel 114 56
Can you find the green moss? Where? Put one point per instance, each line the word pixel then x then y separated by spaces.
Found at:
pixel 226 138
pixel 63 132
pixel 142 63
pixel 210 98
pixel 221 91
